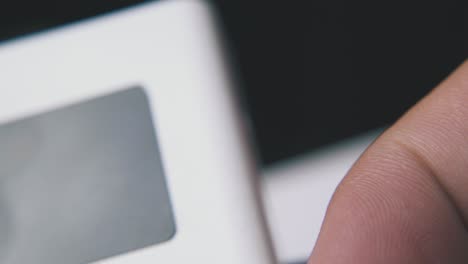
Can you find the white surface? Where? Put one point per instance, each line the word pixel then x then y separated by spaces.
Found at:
pixel 169 48
pixel 297 194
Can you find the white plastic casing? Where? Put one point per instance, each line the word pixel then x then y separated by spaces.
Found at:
pixel 172 50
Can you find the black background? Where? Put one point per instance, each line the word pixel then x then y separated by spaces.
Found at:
pixel 319 71
pixel 313 72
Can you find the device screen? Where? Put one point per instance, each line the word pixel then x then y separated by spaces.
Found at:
pixel 82 183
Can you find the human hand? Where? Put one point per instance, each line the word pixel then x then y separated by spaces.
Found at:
pixel 406 199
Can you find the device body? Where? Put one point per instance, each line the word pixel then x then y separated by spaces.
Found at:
pixel 171 50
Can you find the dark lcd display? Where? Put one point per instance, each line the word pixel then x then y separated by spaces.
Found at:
pixel 82 183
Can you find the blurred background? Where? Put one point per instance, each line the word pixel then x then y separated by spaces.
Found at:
pixel 313 72
pixel 320 79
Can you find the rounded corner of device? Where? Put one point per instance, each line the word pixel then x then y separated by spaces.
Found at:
pixel 140 90
pixel 171 234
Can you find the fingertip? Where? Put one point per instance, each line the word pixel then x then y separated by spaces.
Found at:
pixel 405 200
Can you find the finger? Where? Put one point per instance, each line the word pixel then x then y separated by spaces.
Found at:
pixel 406 199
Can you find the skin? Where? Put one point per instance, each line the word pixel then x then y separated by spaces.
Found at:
pixel 406 198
